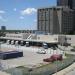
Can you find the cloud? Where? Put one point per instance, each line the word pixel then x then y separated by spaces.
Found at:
pixel 2 12
pixel 35 20
pixel 28 11
pixel 2 19
pixel 21 17
pixel 14 9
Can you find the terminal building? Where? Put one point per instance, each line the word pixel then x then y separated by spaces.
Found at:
pixel 38 39
pixel 29 39
pixel 55 20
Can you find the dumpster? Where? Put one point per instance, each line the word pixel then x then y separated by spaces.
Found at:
pixel 11 54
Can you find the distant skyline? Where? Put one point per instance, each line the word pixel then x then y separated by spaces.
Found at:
pixel 21 14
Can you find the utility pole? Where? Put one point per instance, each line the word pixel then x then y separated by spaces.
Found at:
pixel 0 46
pixel 30 70
pixel 0 57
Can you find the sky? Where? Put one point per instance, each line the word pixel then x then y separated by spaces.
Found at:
pixel 21 14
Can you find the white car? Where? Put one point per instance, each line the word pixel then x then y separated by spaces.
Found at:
pixel 41 51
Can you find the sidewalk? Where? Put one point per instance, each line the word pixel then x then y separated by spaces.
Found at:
pixel 4 73
pixel 66 70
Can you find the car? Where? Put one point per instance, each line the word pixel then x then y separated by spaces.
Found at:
pixel 45 46
pixel 27 44
pixel 53 58
pixel 54 48
pixel 73 50
pixel 41 52
pixel 48 60
pixel 56 57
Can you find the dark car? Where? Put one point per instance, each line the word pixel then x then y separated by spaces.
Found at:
pixel 73 50
pixel 45 46
pixel 54 48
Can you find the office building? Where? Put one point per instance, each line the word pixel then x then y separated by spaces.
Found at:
pixel 55 20
pixel 69 3
pixel 73 6
pixel 3 27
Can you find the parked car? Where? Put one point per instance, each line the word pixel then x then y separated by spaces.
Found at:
pixel 12 42
pixel 8 42
pixel 22 43
pixel 56 57
pixel 41 51
pixel 54 48
pixel 48 60
pixel 73 50
pixel 45 46
pixel 53 58
pixel 27 44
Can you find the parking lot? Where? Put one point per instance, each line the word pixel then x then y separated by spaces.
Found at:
pixel 30 56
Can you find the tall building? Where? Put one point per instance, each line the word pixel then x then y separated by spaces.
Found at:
pixel 55 20
pixel 69 3
pixel 73 5
pixel 3 27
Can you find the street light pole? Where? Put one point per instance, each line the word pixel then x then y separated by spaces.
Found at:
pixel 0 46
pixel 30 71
pixel 56 63
pixel 65 43
pixel 0 56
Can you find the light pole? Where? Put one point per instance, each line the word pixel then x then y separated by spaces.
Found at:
pixel 30 70
pixel 65 44
pixel 56 62
pixel 0 57
pixel 56 66
pixel 0 46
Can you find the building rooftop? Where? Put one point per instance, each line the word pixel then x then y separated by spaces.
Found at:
pixel 30 40
pixel 56 7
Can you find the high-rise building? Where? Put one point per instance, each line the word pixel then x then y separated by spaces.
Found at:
pixel 73 5
pixel 55 20
pixel 68 3
pixel 3 27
